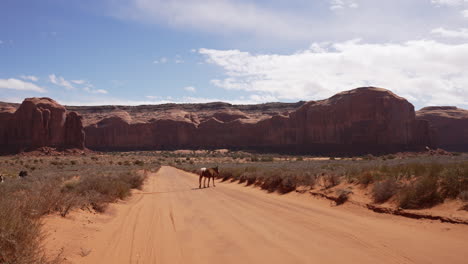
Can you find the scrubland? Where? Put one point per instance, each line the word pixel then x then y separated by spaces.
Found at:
pixel 58 185
pixel 63 183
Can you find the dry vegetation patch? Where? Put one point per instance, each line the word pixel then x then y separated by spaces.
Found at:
pixel 59 184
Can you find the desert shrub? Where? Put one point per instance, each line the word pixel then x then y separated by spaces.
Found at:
pixel 368 157
pixel 73 162
pixel 463 196
pixel 271 183
pixel 421 194
pixel 342 196
pixel 299 159
pixel 306 179
pixel 287 185
pixel 134 179
pixel 366 178
pixel 139 162
pixel 453 181
pixel 20 227
pixel 384 190
pixel 331 180
pixel 254 159
pixel 267 159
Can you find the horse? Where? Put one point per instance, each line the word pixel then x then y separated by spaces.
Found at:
pixel 209 173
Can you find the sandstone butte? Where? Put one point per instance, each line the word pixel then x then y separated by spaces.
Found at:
pixel 450 124
pixel 359 121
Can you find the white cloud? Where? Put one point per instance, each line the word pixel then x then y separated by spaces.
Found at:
pixel 426 71
pixel 29 77
pixel 341 4
pixel 153 100
pixel 20 85
pixel 97 91
pixel 465 13
pixel 178 59
pixel 220 16
pixel 161 60
pixel 60 81
pixel 190 89
pixel 78 81
pixel 461 33
pixel 449 2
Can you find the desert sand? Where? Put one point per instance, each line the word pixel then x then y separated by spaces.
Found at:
pixel 172 221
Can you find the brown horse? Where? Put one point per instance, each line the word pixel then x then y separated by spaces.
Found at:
pixel 210 173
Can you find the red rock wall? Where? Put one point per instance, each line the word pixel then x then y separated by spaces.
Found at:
pixel 41 122
pixel 450 125
pixel 358 121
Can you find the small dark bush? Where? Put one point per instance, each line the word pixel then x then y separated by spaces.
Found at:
pixel 384 190
pixel 343 196
pixel 139 162
pixel 254 159
pixel 287 185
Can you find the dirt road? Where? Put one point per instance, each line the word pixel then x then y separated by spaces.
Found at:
pixel 172 221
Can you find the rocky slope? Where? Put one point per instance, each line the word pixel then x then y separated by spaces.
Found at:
pixel 363 120
pixel 39 122
pixel 450 124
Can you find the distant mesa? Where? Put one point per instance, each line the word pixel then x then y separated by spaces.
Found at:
pixel 359 121
pixel 450 125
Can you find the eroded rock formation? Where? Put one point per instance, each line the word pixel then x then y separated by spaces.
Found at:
pixel 363 120
pixel 39 122
pixel 359 121
pixel 450 124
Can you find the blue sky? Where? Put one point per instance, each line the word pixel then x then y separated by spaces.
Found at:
pixel 244 51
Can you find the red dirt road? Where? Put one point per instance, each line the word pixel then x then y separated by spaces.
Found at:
pixel 171 221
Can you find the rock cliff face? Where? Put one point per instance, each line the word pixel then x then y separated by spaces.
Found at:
pixel 364 120
pixel 450 124
pixel 39 122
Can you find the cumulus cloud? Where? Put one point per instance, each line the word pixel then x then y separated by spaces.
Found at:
pixel 15 84
pixel 190 89
pixel 60 81
pixel 29 77
pixel 341 4
pixel 465 13
pixel 424 71
pixel 461 33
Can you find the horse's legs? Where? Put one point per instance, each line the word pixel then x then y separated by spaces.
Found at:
pixel 199 181
pixel 214 182
pixel 204 182
pixel 209 181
